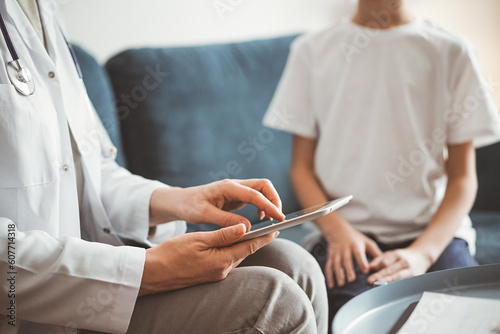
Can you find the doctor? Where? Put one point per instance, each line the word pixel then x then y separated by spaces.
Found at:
pixel 66 208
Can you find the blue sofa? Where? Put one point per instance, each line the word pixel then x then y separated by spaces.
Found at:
pixel 192 115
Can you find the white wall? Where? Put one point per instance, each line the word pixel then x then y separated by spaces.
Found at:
pixel 105 27
pixel 118 24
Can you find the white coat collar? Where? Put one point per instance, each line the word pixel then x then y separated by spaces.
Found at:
pixel 17 20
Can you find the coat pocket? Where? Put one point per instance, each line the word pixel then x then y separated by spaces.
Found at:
pixel 26 157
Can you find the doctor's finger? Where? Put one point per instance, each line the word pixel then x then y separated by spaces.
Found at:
pixel 266 187
pixel 223 237
pixel 261 214
pixel 214 215
pixel 235 191
pixel 240 251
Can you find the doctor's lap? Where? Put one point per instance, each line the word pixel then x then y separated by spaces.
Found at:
pixel 279 289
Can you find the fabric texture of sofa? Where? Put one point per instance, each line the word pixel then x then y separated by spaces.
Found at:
pixel 192 115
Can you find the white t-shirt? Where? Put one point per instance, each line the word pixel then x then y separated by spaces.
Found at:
pixel 383 106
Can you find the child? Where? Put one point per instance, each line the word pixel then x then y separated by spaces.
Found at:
pixel 386 107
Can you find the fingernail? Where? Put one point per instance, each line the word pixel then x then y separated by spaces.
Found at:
pixel 245 223
pixel 236 229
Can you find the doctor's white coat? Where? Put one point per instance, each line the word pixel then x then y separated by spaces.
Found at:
pixel 52 280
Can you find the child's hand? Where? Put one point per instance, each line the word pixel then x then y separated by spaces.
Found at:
pixel 343 248
pixel 398 264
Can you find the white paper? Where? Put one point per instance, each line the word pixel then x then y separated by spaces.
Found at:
pixel 438 313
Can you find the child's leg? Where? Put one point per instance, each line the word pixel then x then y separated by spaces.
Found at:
pixel 338 296
pixel 455 255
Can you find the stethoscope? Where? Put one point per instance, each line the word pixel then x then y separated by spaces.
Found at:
pixel 19 75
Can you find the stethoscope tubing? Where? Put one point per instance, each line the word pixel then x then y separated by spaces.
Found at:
pixel 8 40
pixel 73 55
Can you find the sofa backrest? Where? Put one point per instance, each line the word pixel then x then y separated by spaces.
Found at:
pixel 203 120
pixel 192 115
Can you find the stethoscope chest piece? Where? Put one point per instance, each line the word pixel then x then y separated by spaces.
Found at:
pixel 21 78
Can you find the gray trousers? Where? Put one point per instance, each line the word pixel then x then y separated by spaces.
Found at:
pixel 279 289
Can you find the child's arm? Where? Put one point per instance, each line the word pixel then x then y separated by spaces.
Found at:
pixel 457 202
pixel 344 242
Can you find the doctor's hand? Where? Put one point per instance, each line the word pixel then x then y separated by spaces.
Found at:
pixel 398 264
pixel 344 245
pixel 211 203
pixel 197 258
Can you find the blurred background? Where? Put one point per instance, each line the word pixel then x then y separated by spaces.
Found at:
pixel 105 27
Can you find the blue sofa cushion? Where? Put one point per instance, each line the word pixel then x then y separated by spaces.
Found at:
pixel 192 115
pixel 100 93
pixel 487 226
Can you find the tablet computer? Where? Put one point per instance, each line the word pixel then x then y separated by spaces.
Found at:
pixel 295 218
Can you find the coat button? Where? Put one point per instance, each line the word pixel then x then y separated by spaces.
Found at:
pixel 65 168
pixel 52 75
pixel 106 230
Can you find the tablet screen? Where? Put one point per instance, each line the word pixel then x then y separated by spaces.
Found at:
pixel 295 218
pixel 288 217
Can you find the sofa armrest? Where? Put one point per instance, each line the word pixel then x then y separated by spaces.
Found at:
pixel 487 225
